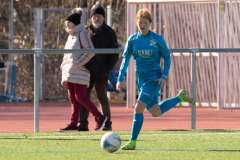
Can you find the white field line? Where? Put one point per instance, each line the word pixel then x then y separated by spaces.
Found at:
pixel 97 136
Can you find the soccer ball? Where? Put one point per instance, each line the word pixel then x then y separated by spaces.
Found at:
pixel 110 142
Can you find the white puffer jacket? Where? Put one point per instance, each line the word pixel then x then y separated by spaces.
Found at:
pixel 72 64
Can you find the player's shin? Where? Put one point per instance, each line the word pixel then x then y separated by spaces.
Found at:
pixel 136 128
pixel 137 125
pixel 168 104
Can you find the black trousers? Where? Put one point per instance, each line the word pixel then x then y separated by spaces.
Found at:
pixel 101 87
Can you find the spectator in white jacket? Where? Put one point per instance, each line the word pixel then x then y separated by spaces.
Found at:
pixel 75 76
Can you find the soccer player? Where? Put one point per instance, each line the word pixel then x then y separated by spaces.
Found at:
pixel 147 48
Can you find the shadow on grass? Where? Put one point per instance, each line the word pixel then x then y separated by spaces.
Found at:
pixel 224 150
pixel 179 130
pixel 220 130
pixel 189 149
pixel 203 130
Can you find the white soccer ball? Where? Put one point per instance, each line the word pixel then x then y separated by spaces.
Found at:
pixel 110 142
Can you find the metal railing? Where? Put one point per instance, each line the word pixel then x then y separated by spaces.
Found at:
pixel 38 51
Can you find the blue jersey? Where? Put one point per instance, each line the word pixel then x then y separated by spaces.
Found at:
pixel 147 51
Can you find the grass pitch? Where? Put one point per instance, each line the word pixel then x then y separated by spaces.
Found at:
pixel 151 145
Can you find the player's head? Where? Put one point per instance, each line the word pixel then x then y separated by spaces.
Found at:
pixel 143 20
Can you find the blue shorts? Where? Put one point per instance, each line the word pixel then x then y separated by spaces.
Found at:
pixel 148 88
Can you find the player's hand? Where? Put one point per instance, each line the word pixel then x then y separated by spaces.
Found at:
pixel 161 81
pixel 119 86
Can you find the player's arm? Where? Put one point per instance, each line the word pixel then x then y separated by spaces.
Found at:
pixel 125 61
pixel 123 68
pixel 165 53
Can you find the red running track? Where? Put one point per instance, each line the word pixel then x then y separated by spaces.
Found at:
pixel 19 117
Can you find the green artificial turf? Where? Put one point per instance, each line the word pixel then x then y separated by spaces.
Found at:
pixel 151 145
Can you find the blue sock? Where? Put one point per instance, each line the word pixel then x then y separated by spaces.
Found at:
pixel 137 125
pixel 168 104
